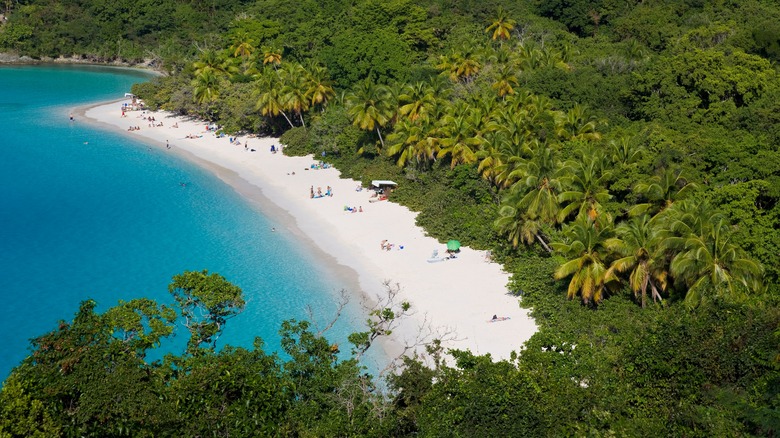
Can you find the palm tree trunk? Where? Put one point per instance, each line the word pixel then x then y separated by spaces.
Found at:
pixel 544 244
pixel 381 140
pixel 656 295
pixel 300 114
pixel 288 119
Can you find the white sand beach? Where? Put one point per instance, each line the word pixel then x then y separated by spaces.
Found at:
pixel 458 296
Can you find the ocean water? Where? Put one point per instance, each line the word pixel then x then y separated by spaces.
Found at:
pixel 89 213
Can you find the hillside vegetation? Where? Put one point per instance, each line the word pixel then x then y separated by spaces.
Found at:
pixel 619 158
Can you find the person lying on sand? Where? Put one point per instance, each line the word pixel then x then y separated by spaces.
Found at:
pixel 497 318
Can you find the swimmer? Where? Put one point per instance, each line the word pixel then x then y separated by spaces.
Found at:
pixel 273 229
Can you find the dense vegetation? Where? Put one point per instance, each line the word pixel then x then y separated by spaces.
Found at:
pixel 621 153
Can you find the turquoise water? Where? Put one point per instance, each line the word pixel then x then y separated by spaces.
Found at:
pixel 89 213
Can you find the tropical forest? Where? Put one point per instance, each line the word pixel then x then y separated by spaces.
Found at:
pixel 620 158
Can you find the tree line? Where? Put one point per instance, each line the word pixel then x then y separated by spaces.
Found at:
pixel 622 154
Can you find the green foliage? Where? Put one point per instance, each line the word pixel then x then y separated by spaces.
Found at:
pixel 480 398
pixel 296 142
pixel 497 151
pixel 453 204
pixel 700 85
pixel 205 302
pixel 89 378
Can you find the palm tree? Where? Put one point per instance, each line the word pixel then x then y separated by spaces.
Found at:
pixel 417 100
pixel 458 140
pixel 624 151
pixel 515 222
pixel 538 180
pixel 206 86
pixel 242 46
pixel 404 140
pixel 319 89
pixel 270 100
pixel 639 245
pixel 494 157
pixel 294 89
pixel 577 125
pixel 662 191
pixel 586 253
pixel 506 78
pixel 213 61
pixel 370 107
pixel 709 263
pixel 272 56
pixel 461 65
pixel 502 26
pixel 584 183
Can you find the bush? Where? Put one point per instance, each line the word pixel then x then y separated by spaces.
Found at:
pixel 296 142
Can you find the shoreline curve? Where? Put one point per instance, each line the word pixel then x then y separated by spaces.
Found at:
pixel 455 298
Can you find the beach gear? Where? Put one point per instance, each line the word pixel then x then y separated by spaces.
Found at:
pixel 453 245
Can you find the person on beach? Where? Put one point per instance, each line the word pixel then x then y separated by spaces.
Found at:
pixel 312 191
pixel 383 243
pixel 361 209
pixel 167 145
pixel 71 117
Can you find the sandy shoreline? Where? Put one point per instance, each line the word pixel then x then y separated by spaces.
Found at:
pixel 456 296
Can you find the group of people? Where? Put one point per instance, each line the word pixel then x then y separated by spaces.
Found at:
pixel 153 122
pixel 320 165
pixel 353 209
pixel 328 192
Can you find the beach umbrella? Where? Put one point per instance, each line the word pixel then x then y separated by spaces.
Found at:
pixel 453 245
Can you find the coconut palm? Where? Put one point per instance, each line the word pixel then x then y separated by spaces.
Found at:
pixel 294 87
pixel 662 191
pixel 458 140
pixel 538 180
pixel 206 86
pixel 584 186
pixel 576 124
pixel 586 253
pixel 502 26
pixel 272 56
pixel 417 100
pixel 708 262
pixel 213 61
pixel 516 224
pixel 625 151
pixel 319 89
pixel 461 65
pixel 504 81
pixel 404 141
pixel 639 246
pixel 270 100
pixel 494 158
pixel 242 46
pixel 371 107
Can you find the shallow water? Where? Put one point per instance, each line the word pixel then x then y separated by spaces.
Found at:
pixel 90 213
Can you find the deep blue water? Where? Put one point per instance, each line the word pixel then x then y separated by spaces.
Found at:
pixel 89 213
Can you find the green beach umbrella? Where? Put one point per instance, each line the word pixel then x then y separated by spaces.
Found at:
pixel 453 245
